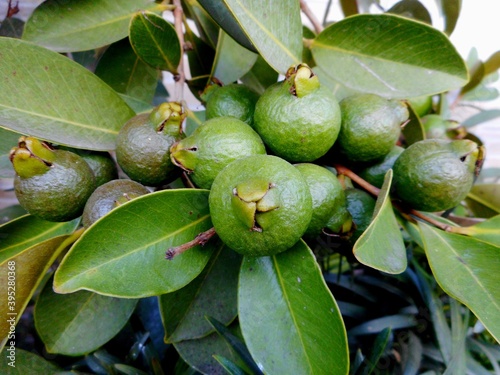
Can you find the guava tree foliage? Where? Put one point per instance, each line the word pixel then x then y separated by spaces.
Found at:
pixel 416 292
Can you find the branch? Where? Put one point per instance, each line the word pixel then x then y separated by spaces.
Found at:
pixel 310 15
pixel 201 239
pixel 180 77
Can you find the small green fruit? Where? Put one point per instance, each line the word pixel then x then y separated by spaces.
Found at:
pixel 260 205
pixel 109 196
pixel 361 206
pixel 421 105
pixel 233 100
pixel 436 175
pixel 143 144
pixel 298 119
pixel 329 201
pixel 51 184
pixel 212 146
pixel 437 127
pixel 371 125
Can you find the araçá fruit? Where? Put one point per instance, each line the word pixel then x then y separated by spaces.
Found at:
pixel 298 118
pixel 109 196
pixel 234 100
pixel 375 172
pixel 361 206
pixel 436 175
pixel 371 125
pixel 51 184
pixel 329 205
pixel 101 162
pixel 212 146
pixel 260 205
pixel 143 144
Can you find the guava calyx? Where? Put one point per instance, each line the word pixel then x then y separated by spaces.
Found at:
pixel 31 157
pixel 168 117
pixel 303 80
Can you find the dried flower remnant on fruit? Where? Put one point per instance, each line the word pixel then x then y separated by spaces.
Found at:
pixel 168 118
pixel 303 80
pixel 31 157
pixel 251 199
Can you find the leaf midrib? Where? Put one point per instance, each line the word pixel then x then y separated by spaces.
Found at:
pixel 292 315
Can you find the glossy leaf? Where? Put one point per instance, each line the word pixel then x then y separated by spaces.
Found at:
pixel 277 39
pixel 8 140
pixel 213 293
pixel 26 363
pixel 155 41
pixel 200 353
pixel 363 52
pixel 413 131
pixel 230 367
pixel 200 54
pixel 29 266
pixel 466 269
pixel 284 306
pixel 120 68
pixel 10 213
pixel 26 231
pixel 381 245
pixel 484 200
pixel 488 230
pixel 450 10
pixel 232 60
pixel 123 253
pixel 80 322
pixel 222 15
pixel 75 25
pixel 11 27
pixel 48 96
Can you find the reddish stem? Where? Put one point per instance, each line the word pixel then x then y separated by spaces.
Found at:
pixel 201 239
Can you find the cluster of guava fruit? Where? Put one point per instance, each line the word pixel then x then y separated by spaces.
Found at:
pixel 266 160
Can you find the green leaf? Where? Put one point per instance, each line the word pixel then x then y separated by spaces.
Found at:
pixel 11 27
pixel 120 68
pixel 230 367
pixel 378 325
pixel 450 10
pixel 208 29
pixel 260 77
pixel 77 25
pixel 222 15
pixel 383 341
pixel 29 268
pixel 10 213
pixel 123 253
pixel 81 322
pixel 466 269
pixel 232 61
pixel 413 131
pixel 237 344
pixel 483 116
pixel 349 7
pixel 8 140
pixel 363 52
pixel 26 231
pixel 199 353
pixel 492 64
pixel 488 230
pixel 459 334
pixel 288 315
pixel 26 363
pixel 273 27
pixel 155 41
pixel 411 9
pixel 213 292
pixel 48 96
pixel 484 200
pixel 381 245
pixel 200 55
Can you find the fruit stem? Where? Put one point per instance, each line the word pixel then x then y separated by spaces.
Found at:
pixel 341 170
pixel 180 77
pixel 310 15
pixel 200 239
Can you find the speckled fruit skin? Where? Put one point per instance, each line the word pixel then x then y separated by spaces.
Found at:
pixel 371 125
pixel 215 144
pixel 327 195
pixel 234 100
pixel 143 153
pixel 430 176
pixel 282 227
pixel 297 129
pixel 59 194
